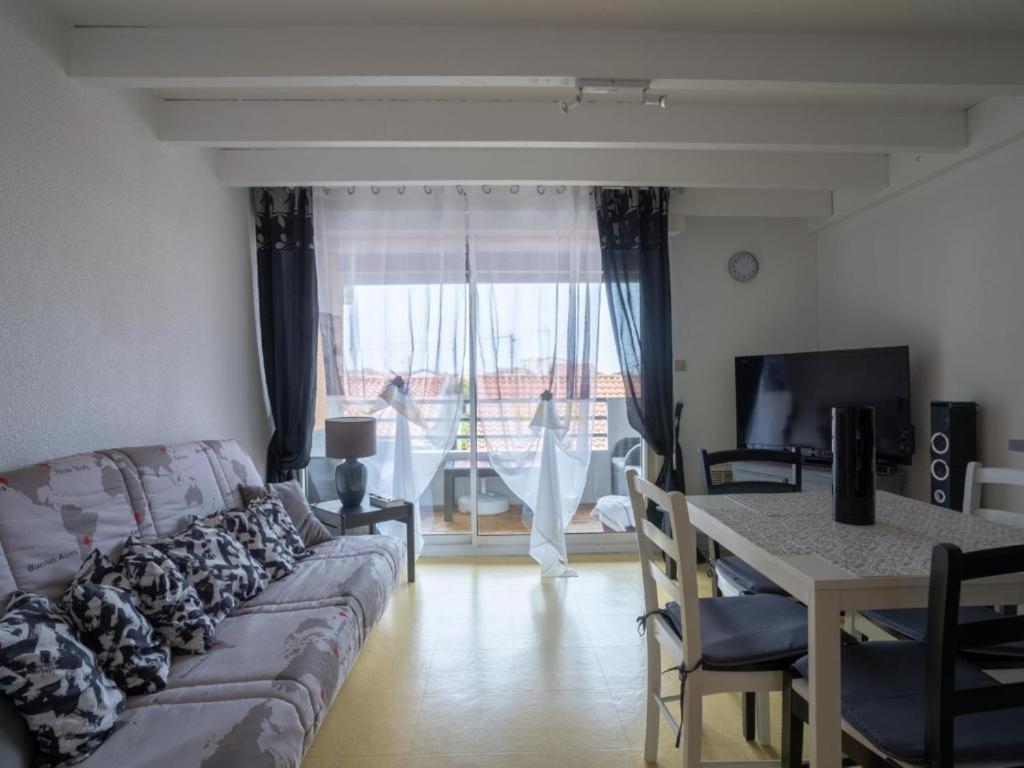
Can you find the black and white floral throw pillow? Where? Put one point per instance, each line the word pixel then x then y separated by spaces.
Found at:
pixel 167 598
pixel 271 512
pixel 54 681
pixel 256 535
pixel 103 610
pixel 221 569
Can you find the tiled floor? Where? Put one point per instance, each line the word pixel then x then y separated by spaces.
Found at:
pixel 482 664
pixel 507 522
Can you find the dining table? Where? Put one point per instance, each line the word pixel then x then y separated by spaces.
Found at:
pixel 836 569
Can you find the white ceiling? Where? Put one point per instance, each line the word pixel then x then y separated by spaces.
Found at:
pixel 961 17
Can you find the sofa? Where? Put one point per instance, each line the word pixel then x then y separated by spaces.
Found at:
pixel 259 696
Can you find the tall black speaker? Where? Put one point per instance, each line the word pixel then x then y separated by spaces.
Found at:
pixel 953 445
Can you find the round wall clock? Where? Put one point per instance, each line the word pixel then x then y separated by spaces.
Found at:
pixel 743 266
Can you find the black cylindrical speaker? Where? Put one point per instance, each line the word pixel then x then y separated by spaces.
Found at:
pixel 853 465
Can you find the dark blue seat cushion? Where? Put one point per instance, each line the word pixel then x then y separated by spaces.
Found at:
pixel 748 631
pixel 884 698
pixel 746 577
pixel 912 623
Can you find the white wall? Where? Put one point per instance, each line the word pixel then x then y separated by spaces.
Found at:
pixel 940 268
pixel 125 301
pixel 716 318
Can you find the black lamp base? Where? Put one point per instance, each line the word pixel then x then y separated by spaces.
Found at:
pixel 350 480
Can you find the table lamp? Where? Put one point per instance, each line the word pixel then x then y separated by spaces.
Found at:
pixel 350 438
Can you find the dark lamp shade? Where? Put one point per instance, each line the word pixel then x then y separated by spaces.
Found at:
pixel 350 437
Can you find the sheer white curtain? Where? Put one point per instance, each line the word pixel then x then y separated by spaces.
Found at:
pixel 391 268
pixel 535 264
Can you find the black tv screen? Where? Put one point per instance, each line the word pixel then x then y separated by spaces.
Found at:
pixel 785 401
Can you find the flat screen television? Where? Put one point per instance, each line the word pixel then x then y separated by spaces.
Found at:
pixel 785 401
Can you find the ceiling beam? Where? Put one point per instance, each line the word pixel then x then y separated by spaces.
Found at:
pixel 539 124
pixel 767 203
pixel 670 168
pixel 323 56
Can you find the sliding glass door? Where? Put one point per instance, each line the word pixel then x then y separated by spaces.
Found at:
pixel 471 325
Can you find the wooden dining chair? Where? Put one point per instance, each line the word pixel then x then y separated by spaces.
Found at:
pixel 734 573
pixel 912 623
pixel 924 703
pixel 731 571
pixel 717 644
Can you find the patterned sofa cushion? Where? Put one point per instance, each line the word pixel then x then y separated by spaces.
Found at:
pixel 104 611
pixel 359 571
pixel 261 731
pixel 54 681
pixel 52 515
pixel 178 481
pixel 304 654
pixel 166 598
pixel 222 570
pixel 253 533
pixel 290 493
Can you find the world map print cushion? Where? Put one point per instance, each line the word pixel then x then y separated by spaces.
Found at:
pixel 103 610
pixel 166 597
pixel 271 512
pixel 255 534
pixel 222 571
pixel 54 681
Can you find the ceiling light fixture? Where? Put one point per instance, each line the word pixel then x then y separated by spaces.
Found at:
pixel 567 106
pixel 656 100
pixel 628 89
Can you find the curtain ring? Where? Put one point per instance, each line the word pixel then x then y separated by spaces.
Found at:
pixel 540 189
pixel 514 189
pixel 459 189
pixel 351 190
pixel 375 190
pixel 560 189
pixel 486 188
pixel 427 189
pixel 401 189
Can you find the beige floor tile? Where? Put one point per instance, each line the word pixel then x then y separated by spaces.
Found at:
pixel 568 720
pixel 561 629
pixel 369 725
pixel 612 629
pixel 356 761
pixel 472 671
pixel 500 632
pixel 462 723
pixel 624 666
pixel 602 758
pixel 558 669
pixel 506 760
pixel 382 669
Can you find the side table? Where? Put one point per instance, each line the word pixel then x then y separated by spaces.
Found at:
pixel 340 518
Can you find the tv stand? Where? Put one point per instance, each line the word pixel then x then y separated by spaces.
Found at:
pixel 817 476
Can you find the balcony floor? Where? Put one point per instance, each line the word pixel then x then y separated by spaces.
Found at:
pixel 506 523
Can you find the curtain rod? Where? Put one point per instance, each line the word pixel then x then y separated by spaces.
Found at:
pixel 485 188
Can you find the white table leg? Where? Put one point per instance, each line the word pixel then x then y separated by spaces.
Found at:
pixel 823 629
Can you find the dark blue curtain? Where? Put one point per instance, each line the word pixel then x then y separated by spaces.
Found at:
pixel 633 226
pixel 289 314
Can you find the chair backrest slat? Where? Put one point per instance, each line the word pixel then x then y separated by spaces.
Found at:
pixel 979 476
pixel 670 587
pixel 978 634
pixel 680 547
pixel 659 539
pixel 793 459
